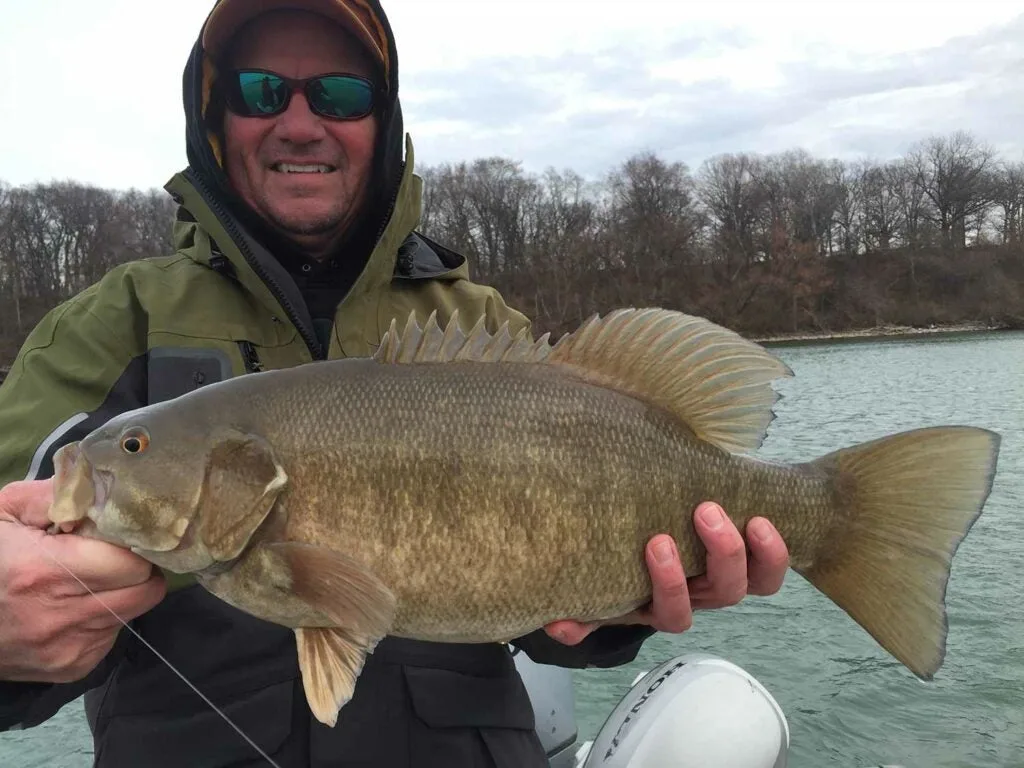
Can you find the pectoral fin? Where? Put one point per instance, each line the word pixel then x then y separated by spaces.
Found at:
pixel 356 602
pixel 338 608
pixel 337 586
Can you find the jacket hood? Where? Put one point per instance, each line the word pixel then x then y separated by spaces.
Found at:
pixel 205 157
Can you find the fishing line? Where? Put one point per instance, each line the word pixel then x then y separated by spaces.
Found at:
pixel 157 653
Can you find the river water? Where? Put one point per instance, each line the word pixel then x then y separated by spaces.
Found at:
pixel 848 703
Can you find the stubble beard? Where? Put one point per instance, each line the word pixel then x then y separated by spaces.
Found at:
pixel 305 226
pixel 333 222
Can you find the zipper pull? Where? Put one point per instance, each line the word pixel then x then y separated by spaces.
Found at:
pixel 251 357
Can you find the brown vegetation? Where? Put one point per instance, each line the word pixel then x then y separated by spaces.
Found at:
pixel 766 245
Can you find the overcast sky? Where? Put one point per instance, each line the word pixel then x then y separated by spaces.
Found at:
pixel 92 90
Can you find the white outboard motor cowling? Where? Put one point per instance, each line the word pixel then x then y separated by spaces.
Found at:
pixel 692 711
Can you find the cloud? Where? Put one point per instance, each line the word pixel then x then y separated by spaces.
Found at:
pixel 590 111
pixel 95 90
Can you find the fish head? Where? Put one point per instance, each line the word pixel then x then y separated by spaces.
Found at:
pixel 172 489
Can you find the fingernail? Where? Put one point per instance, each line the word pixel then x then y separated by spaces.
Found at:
pixel 713 516
pixel 760 530
pixel 663 552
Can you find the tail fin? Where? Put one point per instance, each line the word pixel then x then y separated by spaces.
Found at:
pixel 907 501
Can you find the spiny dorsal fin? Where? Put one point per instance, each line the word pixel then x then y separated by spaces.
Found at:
pixel 432 345
pixel 712 378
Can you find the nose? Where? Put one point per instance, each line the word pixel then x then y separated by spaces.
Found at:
pixel 298 124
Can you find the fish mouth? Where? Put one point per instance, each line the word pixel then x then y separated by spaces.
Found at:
pixel 80 491
pixel 74 487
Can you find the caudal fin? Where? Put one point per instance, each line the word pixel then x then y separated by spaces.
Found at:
pixel 908 501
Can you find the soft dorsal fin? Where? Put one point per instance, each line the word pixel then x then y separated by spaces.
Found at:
pixel 711 378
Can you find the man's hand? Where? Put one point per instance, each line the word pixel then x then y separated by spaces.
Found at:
pixel 729 577
pixel 51 629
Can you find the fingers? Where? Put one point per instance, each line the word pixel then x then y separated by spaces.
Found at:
pixel 670 609
pixel 123 604
pixel 100 565
pixel 769 558
pixel 27 501
pixel 728 578
pixel 570 632
pixel 724 581
pixel 67 661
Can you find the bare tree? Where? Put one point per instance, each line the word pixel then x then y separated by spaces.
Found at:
pixel 848 219
pixel 727 187
pixel 885 209
pixel 952 172
pixel 1008 195
pixel 651 211
pixel 485 208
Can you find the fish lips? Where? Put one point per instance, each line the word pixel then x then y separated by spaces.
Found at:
pixel 79 491
pixel 74 487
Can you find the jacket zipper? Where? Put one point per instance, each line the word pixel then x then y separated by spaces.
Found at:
pixel 251 357
pixel 308 336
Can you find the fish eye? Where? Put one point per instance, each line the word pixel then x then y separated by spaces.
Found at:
pixel 134 441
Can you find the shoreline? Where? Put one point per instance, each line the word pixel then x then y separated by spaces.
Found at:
pixel 876 333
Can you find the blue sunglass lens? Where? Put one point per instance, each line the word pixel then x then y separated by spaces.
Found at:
pixel 262 93
pixel 339 96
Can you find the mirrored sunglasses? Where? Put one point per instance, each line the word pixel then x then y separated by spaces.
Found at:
pixel 262 93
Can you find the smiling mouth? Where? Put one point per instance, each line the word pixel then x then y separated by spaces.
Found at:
pixel 302 168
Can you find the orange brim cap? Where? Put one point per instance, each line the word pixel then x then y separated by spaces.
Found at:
pixel 356 16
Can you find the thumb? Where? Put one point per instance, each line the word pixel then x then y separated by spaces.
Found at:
pixel 28 502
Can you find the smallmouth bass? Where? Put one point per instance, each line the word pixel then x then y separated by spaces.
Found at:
pixel 473 487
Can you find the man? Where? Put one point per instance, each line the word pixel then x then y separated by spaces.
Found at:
pixel 294 242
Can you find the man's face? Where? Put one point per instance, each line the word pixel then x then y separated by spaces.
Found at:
pixel 313 208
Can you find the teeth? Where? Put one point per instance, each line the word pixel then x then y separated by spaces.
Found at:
pixel 295 168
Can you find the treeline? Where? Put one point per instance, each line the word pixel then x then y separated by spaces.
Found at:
pixel 58 239
pixel 764 244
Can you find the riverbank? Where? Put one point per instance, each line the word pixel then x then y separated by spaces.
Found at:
pixel 875 333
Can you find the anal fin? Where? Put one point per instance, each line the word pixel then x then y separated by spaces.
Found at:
pixel 330 660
